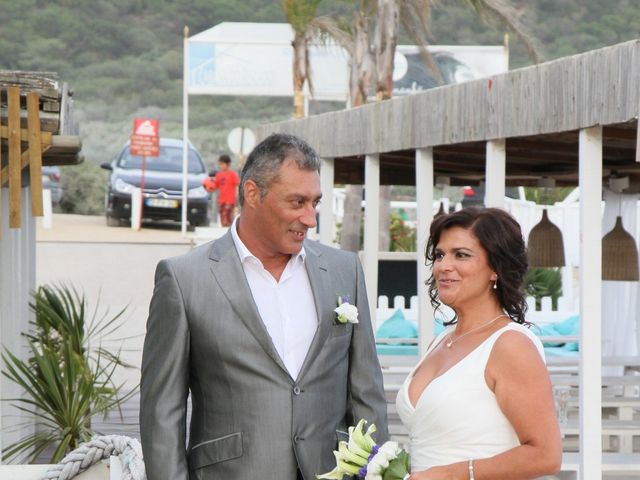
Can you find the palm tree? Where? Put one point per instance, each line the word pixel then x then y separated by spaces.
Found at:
pixel 301 15
pixel 414 15
pixel 372 55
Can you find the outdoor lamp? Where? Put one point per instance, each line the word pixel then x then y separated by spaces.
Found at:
pixel 619 251
pixel 619 255
pixel 545 247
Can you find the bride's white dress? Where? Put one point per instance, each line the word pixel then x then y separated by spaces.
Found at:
pixel 457 416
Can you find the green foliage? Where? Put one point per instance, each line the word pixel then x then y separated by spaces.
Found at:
pixel 543 282
pixel 547 196
pixel 83 189
pixel 123 58
pixel 300 13
pixel 403 237
pixel 398 467
pixel 68 376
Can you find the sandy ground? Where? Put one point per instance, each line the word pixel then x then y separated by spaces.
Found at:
pixel 114 268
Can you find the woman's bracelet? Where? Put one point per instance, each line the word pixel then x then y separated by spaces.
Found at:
pixel 471 476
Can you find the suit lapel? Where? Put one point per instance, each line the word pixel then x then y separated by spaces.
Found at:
pixel 318 274
pixel 229 275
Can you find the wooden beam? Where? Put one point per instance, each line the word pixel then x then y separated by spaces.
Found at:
pixel 24 161
pixel 24 135
pixel 15 172
pixel 49 122
pixel 35 154
pixel 619 133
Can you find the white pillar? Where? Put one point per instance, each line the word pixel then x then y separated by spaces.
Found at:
pixel 327 222
pixel 47 209
pixel 424 212
pixel 371 221
pixel 590 178
pixel 136 209
pixel 495 169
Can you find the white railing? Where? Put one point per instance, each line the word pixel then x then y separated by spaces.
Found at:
pixel 544 315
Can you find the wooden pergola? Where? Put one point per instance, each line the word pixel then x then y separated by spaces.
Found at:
pixel 36 128
pixel 574 119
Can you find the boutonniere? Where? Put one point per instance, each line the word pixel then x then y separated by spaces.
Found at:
pixel 347 313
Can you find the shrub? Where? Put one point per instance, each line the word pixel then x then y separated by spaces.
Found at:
pixel 83 189
pixel 68 376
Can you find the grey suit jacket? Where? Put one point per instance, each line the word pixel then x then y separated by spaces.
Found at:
pixel 250 419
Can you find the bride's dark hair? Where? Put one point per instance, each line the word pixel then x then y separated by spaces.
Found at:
pixel 500 236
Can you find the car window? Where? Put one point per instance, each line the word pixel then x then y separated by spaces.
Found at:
pixel 169 160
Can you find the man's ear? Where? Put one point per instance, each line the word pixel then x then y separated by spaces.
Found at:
pixel 251 193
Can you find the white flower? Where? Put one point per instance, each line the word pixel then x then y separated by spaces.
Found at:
pixel 390 450
pixel 380 461
pixel 347 313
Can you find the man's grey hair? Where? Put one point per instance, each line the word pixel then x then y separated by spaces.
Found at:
pixel 264 162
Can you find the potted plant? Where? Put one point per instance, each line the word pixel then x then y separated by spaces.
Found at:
pixel 68 375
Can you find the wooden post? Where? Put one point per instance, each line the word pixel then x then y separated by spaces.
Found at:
pixel 590 178
pixel 371 221
pixel 15 170
pixel 424 201
pixel 495 171
pixel 326 206
pixel 35 153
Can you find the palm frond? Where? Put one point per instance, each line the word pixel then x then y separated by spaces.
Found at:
pixel 69 374
pixel 505 14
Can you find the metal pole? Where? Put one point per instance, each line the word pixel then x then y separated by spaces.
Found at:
pixel 185 128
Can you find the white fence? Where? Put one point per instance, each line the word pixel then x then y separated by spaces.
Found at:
pixel 544 315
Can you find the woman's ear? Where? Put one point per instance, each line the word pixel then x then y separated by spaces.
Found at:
pixel 494 276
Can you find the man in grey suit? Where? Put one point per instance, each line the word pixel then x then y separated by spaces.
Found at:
pixel 246 324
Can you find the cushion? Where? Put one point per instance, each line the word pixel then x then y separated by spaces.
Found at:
pixel 397 326
pixel 569 326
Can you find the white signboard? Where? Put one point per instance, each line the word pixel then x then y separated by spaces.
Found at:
pixel 241 140
pixel 256 59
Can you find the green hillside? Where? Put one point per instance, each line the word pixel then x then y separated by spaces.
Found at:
pixel 123 58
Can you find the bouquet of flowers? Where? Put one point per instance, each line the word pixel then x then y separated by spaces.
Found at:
pixel 362 457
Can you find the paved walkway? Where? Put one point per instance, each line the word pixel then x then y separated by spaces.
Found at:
pixel 93 229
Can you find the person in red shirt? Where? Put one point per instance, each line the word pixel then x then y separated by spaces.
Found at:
pixel 226 181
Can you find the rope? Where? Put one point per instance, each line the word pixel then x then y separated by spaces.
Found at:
pixel 87 454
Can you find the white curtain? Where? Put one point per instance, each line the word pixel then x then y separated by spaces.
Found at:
pixel 620 300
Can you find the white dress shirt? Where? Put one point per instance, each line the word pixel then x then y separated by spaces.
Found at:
pixel 287 306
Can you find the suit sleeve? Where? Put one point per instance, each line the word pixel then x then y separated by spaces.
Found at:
pixel 164 382
pixel 366 391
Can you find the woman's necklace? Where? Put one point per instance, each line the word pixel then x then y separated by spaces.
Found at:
pixel 451 341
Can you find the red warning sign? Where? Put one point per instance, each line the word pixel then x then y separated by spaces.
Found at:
pixel 145 140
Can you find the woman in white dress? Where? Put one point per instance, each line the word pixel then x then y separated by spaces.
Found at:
pixel 480 404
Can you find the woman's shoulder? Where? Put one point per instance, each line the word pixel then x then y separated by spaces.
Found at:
pixel 514 337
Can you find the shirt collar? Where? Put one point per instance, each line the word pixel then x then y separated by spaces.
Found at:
pixel 245 253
